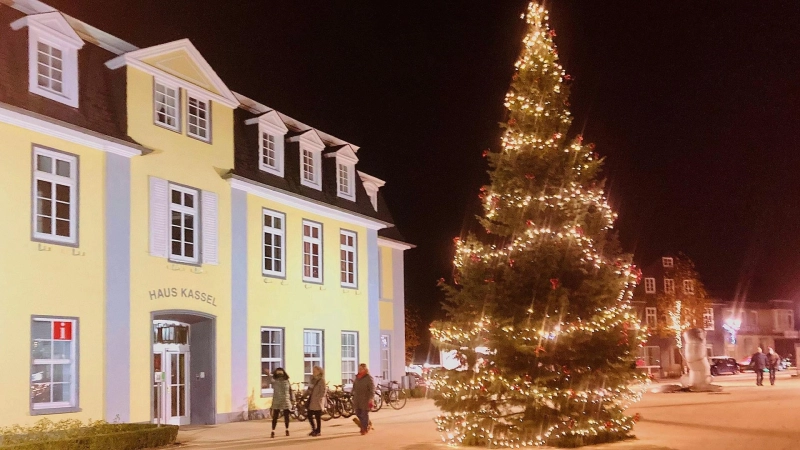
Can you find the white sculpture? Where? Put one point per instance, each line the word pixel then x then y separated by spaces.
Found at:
pixel 694 351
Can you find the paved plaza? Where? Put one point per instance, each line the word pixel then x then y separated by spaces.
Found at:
pixel 742 416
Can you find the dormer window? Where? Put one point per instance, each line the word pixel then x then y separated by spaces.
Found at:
pixel 52 57
pixel 667 261
pixel 198 118
pixel 345 182
pixel 271 132
pixel 346 161
pixel 166 103
pixel 310 167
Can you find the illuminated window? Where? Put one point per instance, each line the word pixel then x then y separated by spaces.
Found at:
pixel 649 285
pixel 54 369
pixel 667 262
pixel 55 197
pixel 708 319
pixel 347 249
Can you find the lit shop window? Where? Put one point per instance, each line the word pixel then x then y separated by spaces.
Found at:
pixel 54 382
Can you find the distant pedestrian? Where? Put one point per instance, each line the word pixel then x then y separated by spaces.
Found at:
pixel 773 360
pixel 363 395
pixel 759 361
pixel 281 398
pixel 316 401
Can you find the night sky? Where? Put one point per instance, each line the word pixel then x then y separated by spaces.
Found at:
pixel 695 105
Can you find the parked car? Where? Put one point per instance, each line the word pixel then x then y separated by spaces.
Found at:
pixel 723 364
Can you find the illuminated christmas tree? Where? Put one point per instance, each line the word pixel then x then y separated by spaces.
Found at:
pixel 539 314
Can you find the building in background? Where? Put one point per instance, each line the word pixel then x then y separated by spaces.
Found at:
pixel 167 228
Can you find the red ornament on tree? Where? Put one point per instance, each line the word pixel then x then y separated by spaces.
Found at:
pixel 554 283
pixel 512 122
pixel 529 176
pixel 485 153
pixel 552 33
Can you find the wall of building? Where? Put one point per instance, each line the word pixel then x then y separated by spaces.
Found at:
pixel 49 279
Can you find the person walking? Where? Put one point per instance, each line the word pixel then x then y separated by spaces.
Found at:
pixel 363 394
pixel 772 364
pixel 759 361
pixel 281 398
pixel 316 400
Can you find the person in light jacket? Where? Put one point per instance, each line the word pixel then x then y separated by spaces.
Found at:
pixel 281 398
pixel 773 360
pixel 363 395
pixel 316 403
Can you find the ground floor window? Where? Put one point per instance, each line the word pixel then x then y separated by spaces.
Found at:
pixel 54 381
pixel 651 356
pixel 312 352
pixel 271 356
pixel 349 357
pixel 386 360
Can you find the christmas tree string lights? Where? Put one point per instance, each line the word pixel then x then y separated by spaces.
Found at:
pixel 539 315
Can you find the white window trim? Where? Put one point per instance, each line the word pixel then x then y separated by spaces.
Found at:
pixel 69 53
pixel 191 96
pixel 72 182
pixel 311 240
pixel 353 360
pixel 280 360
pixel 278 144
pixel 275 232
pixel 669 286
pixel 388 351
pixel 688 287
pixel 184 209
pixel 667 261
pixel 315 361
pixel 44 408
pixel 316 159
pixel 178 104
pixel 708 312
pixel 649 285
pixel 650 312
pixel 349 249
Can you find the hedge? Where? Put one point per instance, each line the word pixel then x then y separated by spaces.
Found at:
pixel 95 436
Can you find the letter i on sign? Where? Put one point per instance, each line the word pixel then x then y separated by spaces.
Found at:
pixel 62 331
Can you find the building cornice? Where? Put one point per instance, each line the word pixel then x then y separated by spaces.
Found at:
pixel 13 115
pixel 303 203
pixel 391 243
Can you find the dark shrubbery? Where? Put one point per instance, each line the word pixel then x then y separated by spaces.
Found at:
pixel 74 435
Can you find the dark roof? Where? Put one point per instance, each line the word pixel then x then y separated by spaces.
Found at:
pixel 246 165
pixel 101 92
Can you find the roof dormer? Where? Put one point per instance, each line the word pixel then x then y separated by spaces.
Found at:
pixel 346 161
pixel 372 185
pixel 271 151
pixel 311 146
pixel 52 56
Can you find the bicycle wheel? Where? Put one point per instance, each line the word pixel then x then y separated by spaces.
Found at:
pixel 346 405
pixel 397 398
pixel 377 401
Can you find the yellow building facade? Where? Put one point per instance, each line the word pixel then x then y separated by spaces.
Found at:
pixel 173 241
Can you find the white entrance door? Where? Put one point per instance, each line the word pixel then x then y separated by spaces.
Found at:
pixel 173 393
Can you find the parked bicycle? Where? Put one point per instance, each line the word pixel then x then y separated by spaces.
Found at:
pixel 393 395
pixel 299 412
pixel 342 402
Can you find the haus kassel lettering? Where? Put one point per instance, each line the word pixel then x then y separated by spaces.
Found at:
pixel 156 294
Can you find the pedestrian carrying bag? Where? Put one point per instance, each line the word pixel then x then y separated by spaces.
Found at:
pixel 308 399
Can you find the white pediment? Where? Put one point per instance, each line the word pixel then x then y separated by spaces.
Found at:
pixel 345 153
pixel 53 24
pixel 310 138
pixel 271 121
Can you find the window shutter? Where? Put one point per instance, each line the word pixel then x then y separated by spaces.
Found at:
pixel 208 216
pixel 159 216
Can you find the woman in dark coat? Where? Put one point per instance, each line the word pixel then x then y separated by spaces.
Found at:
pixel 316 403
pixel 281 398
pixel 363 395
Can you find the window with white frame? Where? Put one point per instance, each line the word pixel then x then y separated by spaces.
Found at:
pixel 347 250
pixel 650 317
pixel 274 247
pixel 651 356
pixel 708 319
pixel 55 196
pixel 649 285
pixel 667 261
pixel 310 170
pixel 386 358
pixel 166 106
pixel 688 287
pixel 349 357
pixel 271 356
pixel 345 181
pixel 312 352
pixel 270 160
pixel 52 57
pixel 312 251
pixel 183 209
pixel 54 380
pixel 669 286
pixel 198 118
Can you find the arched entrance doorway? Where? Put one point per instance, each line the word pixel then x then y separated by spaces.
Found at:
pixel 183 363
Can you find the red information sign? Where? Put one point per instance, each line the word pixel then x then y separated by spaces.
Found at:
pixel 62 331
